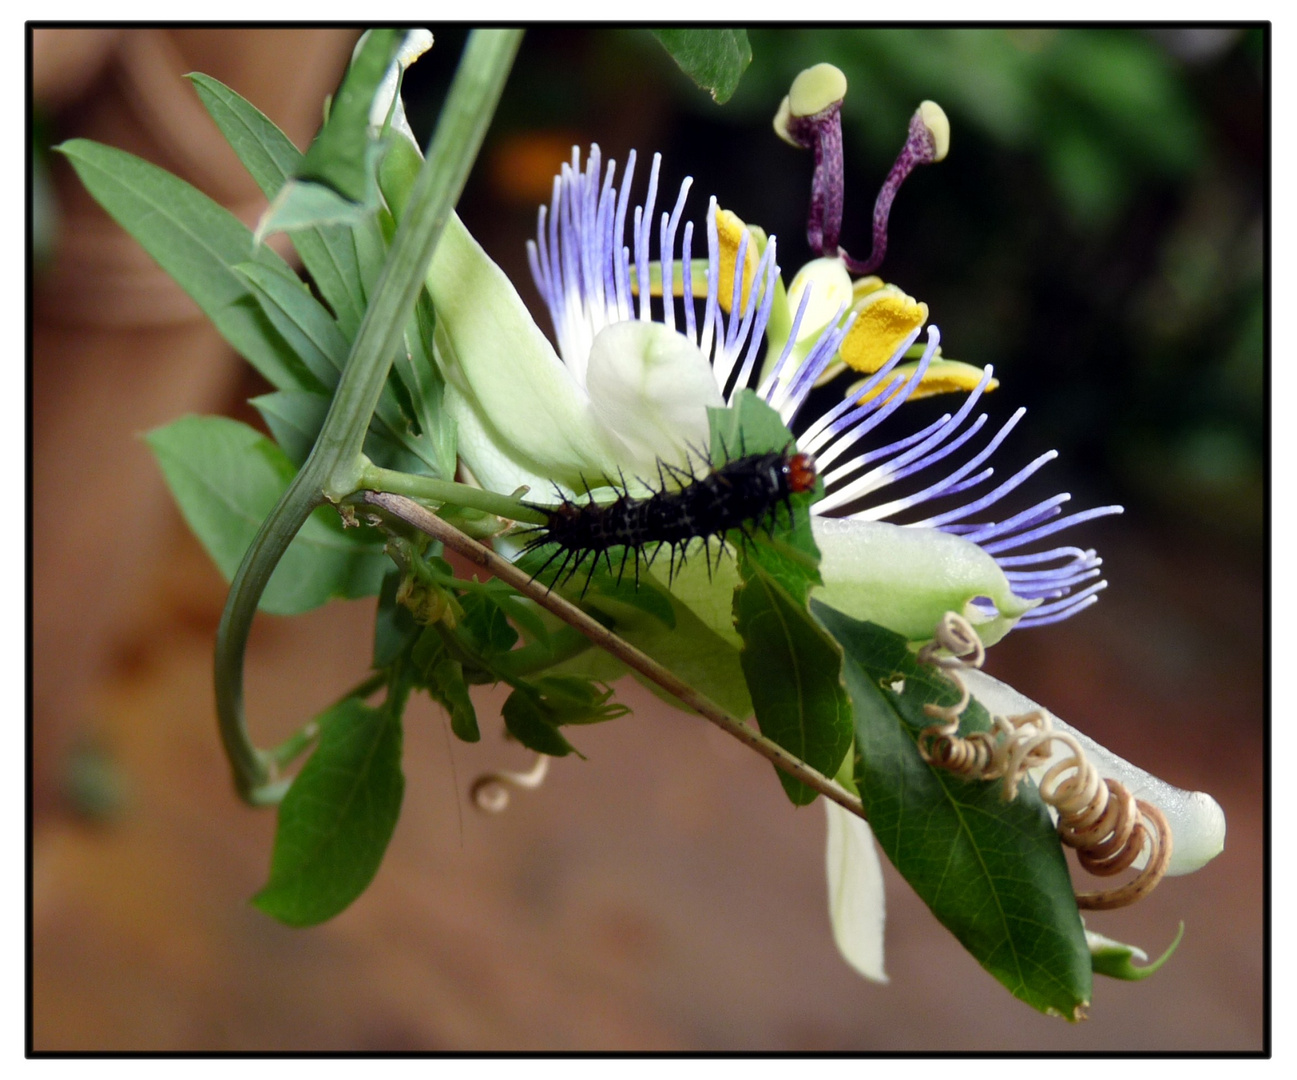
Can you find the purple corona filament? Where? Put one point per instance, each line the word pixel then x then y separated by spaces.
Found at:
pixel 590 278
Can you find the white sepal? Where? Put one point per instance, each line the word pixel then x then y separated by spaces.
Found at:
pixel 1196 819
pixel 856 902
pixel 906 579
pixel 492 352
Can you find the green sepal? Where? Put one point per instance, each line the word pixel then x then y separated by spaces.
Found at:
pixel 338 816
pixel 992 871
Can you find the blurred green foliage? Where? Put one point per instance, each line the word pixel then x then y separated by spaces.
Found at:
pixel 1098 107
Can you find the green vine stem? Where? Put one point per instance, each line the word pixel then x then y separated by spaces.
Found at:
pixel 334 467
pixel 410 512
pixel 448 491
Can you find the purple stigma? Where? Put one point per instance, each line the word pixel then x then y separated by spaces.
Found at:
pixel 821 132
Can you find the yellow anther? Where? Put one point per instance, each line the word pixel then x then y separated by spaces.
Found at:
pixel 884 319
pixel 862 287
pixel 934 119
pixel 942 377
pixel 729 234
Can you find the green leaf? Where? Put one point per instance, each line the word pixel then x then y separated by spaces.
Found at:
pixel 417 374
pixel 523 613
pixel 714 59
pixel 197 242
pixel 394 627
pixel 528 721
pixel 301 320
pixel 316 338
pixel 336 820
pixel 328 252
pixel 992 872
pixel 294 418
pixel 227 477
pixel 483 629
pixel 794 674
pixel 303 204
pixel 749 426
pixel 336 182
pixel 788 552
pixel 689 649
pixel 1115 959
pixel 446 684
pixel 338 158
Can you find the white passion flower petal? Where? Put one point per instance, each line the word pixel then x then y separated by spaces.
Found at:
pixel 498 359
pixel 856 901
pixel 1196 819
pixel 906 578
pixel 650 387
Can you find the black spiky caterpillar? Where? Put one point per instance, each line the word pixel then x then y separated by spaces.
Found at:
pixel 743 494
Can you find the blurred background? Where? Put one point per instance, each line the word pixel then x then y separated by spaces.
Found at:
pixel 1098 233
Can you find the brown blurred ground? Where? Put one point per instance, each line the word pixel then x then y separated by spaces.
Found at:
pixel 660 895
pixel 117 347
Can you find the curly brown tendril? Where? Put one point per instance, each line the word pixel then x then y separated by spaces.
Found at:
pixel 490 791
pixel 1107 826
